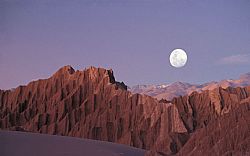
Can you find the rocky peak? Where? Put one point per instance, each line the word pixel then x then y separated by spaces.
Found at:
pixel 65 70
pixel 91 104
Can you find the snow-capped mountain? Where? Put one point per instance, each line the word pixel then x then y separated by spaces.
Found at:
pixel 168 91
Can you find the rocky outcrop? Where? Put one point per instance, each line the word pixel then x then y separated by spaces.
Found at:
pixel 91 104
pixel 227 135
pixel 218 122
pixel 198 109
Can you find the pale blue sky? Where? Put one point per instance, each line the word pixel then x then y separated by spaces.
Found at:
pixel 133 37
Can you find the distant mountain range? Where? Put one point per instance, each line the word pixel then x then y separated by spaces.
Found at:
pixel 169 91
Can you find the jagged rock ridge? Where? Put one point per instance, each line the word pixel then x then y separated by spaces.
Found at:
pixel 91 104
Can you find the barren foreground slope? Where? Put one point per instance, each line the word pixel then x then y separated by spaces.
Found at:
pixel 31 144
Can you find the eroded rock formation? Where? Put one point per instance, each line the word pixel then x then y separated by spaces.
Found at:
pixel 91 104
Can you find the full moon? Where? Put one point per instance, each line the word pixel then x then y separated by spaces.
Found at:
pixel 178 58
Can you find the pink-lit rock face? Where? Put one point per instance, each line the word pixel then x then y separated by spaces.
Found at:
pixel 227 135
pixel 217 120
pixel 91 104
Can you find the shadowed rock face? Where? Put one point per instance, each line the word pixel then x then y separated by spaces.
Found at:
pixel 227 135
pixel 218 122
pixel 91 104
pixel 198 109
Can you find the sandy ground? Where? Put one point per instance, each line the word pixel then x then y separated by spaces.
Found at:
pixel 30 144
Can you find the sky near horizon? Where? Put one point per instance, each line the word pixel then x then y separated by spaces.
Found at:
pixel 133 37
